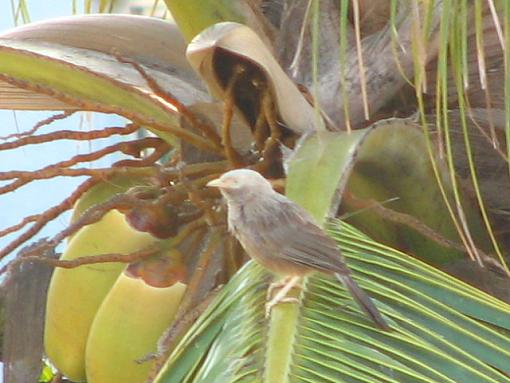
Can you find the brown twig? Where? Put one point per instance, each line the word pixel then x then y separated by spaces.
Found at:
pixel 197 200
pixel 201 270
pixel 70 135
pixel 24 222
pixel 208 130
pixel 260 131
pixel 269 155
pixel 194 170
pixel 187 135
pixel 42 219
pixel 230 152
pixel 121 202
pixel 44 247
pixel 268 110
pixel 75 172
pixel 146 161
pixel 228 112
pixel 40 124
pixel 24 177
pixel 85 260
pixel 96 213
pixel 187 229
pixel 48 216
pixel 197 183
pixel 266 118
pixel 137 118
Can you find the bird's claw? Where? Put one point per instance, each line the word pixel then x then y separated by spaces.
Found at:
pixel 285 286
pixel 274 286
pixel 273 302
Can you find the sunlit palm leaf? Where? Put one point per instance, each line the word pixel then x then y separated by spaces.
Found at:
pixel 160 47
pixel 83 76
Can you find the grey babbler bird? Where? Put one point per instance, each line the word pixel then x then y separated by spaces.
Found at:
pixel 283 237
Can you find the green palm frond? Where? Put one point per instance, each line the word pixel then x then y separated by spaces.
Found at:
pixel 443 330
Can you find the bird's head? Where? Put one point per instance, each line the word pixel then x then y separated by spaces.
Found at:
pixel 241 184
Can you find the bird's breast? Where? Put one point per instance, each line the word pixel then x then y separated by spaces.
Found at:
pixel 256 240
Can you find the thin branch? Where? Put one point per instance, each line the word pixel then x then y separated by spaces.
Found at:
pixel 198 169
pixel 64 172
pixel 270 114
pixel 138 118
pixel 86 260
pixel 228 112
pixel 70 135
pixel 187 135
pixel 202 271
pixel 97 212
pixel 149 160
pixel 197 199
pixel 208 130
pixel 23 223
pixel 48 216
pixel 47 247
pixel 40 124
pixel 129 148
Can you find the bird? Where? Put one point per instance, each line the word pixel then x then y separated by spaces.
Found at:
pixel 283 237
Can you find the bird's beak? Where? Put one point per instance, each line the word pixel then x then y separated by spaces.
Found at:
pixel 216 183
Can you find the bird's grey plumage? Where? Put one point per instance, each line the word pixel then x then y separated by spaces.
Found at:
pixel 282 236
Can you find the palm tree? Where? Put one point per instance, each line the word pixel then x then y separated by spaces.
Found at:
pixel 389 115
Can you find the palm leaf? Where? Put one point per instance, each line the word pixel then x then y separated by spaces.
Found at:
pixel 444 330
pixel 193 16
pixel 75 70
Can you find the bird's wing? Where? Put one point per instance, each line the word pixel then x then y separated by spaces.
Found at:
pixel 304 243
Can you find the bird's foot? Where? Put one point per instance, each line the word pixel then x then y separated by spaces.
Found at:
pixel 282 284
pixel 273 302
pixel 285 286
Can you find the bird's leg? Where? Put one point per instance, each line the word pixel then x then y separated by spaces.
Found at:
pixel 276 285
pixel 285 286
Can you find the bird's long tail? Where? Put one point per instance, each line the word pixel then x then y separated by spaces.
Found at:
pixel 363 301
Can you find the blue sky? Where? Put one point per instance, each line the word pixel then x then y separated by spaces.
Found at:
pixel 38 196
